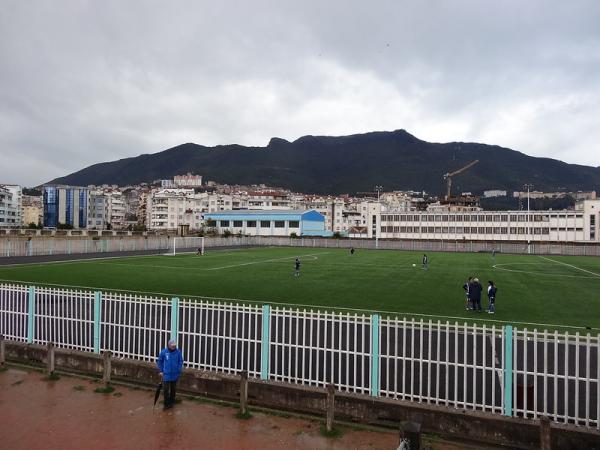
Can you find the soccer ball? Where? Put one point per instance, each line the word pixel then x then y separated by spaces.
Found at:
pixel 414 265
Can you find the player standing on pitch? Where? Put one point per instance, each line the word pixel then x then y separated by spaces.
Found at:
pixel 297 265
pixel 352 250
pixel 425 262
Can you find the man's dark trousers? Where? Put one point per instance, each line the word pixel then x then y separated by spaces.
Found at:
pixel 170 389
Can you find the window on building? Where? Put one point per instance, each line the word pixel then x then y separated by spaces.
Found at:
pixel 237 224
pixel 279 224
pixel 224 223
pixel 265 224
pixel 251 223
pixel 294 224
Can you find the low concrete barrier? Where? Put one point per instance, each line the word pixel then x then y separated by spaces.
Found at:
pixel 474 426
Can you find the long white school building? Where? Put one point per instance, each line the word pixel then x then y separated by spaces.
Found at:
pixel 580 225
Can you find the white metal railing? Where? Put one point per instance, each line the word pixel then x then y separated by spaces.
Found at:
pixel 14 311
pixel 134 326
pixel 223 337
pixel 442 363
pixel 317 348
pixel 557 375
pixel 499 370
pixel 64 317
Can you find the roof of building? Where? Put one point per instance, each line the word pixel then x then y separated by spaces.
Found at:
pixel 237 212
pixel 280 214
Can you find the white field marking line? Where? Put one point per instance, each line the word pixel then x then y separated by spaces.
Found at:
pixel 295 305
pixel 315 255
pixel 312 258
pixel 529 272
pixel 214 253
pixel 75 261
pixel 571 265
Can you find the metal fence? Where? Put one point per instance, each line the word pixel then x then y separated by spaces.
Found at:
pixel 498 370
pixel 42 246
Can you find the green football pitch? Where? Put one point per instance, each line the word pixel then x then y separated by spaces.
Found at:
pixel 539 291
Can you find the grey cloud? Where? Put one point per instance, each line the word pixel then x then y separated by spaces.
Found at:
pixel 83 82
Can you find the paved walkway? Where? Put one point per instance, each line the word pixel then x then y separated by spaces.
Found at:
pixel 68 414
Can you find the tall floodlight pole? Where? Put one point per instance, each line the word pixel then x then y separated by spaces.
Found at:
pixel 528 186
pixel 377 226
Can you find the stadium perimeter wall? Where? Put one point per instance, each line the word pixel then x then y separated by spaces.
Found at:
pixel 16 246
pixel 479 427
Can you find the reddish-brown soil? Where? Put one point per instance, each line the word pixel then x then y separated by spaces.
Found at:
pixel 68 414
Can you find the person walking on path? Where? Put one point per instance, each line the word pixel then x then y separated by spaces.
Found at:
pixel 475 292
pixel 170 363
pixel 467 288
pixel 491 292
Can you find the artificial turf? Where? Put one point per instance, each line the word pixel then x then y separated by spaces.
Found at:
pixel 535 290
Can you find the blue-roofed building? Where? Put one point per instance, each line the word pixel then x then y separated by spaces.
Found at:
pixel 269 222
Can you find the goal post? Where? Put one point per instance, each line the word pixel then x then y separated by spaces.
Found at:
pixel 187 244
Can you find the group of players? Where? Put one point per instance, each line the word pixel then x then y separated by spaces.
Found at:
pixel 473 291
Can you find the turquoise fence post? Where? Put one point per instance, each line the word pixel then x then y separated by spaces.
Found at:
pixel 97 309
pixel 375 355
pixel 174 318
pixel 508 369
pixel 31 315
pixel 265 343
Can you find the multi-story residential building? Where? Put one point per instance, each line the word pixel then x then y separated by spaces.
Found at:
pixel 494 193
pixel 115 209
pixel 187 181
pixel 97 210
pixel 10 206
pixel 580 225
pixel 65 205
pixel 268 200
pixel 169 209
pixel 32 211
pixel 330 208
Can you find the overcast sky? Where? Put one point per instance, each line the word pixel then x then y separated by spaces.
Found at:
pixel 89 81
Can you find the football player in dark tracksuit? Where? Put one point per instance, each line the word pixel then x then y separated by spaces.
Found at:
pixel 475 292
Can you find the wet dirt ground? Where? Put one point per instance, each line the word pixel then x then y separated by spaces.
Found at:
pixel 68 414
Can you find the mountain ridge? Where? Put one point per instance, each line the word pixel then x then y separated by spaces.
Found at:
pixel 347 164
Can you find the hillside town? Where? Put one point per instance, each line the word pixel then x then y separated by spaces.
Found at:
pixel 187 205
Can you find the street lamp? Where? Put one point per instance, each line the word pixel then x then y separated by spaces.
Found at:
pixel 378 189
pixel 528 186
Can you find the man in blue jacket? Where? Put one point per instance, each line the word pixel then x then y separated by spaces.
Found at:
pixel 170 363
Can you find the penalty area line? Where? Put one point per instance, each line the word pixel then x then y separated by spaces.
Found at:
pixel 571 265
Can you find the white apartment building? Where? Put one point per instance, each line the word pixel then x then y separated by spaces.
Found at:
pixel 268 200
pixel 331 208
pixel 494 193
pixel 580 225
pixel 10 206
pixel 168 209
pixel 187 181
pixel 115 209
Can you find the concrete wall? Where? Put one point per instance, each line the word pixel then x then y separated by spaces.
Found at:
pixel 474 426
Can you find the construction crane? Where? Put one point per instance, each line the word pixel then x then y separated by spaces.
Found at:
pixel 448 176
